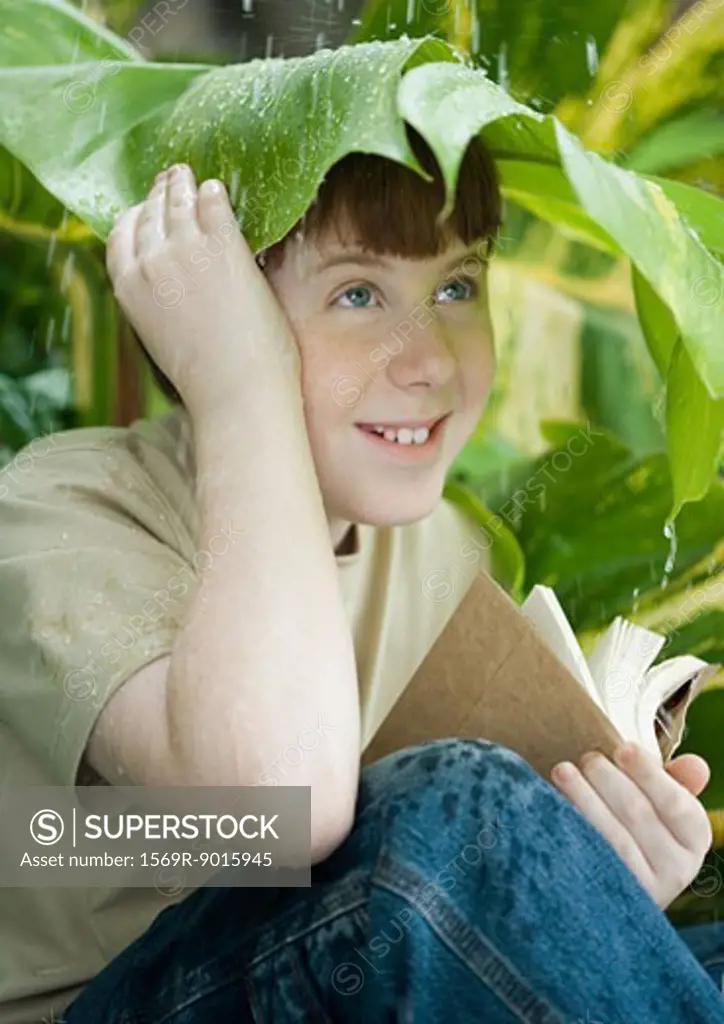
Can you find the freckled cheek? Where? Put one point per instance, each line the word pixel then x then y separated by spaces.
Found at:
pixel 478 372
pixel 333 397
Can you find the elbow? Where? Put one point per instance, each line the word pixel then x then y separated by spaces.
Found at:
pixel 331 824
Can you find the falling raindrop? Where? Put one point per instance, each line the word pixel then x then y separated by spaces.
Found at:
pixel 67 272
pixel 51 248
pixel 247 6
pixel 670 534
pixel 591 55
pixel 410 14
pixel 50 333
pixel 475 36
pixel 503 65
pixel 233 191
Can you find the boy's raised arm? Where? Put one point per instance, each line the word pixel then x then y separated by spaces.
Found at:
pixel 265 651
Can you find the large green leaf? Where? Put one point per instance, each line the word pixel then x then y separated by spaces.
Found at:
pixel 688 405
pixel 448 104
pixel 115 124
pixel 545 190
pixel 92 153
pixel 95 133
pixel 687 402
pixel 704 212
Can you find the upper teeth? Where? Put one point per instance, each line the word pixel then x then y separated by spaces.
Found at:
pixel 404 435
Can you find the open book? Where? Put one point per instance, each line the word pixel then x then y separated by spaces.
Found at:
pixel 515 675
pixel 647 705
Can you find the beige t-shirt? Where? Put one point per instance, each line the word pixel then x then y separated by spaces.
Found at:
pixel 98 563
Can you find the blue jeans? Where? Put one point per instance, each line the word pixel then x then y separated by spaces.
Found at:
pixel 469 889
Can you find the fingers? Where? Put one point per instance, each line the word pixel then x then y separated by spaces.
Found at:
pixel 150 227
pixel 181 200
pixel 173 207
pixel 593 793
pixel 216 215
pixel 121 245
pixel 682 814
pixel 691 771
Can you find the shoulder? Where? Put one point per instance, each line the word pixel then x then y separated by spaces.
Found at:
pixel 143 472
pixel 144 442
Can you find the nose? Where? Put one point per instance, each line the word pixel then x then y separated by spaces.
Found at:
pixel 420 356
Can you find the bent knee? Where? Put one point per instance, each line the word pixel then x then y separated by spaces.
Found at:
pixel 453 757
pixel 447 776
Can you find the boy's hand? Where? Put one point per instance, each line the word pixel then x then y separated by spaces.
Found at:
pixel 188 283
pixel 648 812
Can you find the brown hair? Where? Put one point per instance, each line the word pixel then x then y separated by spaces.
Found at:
pixel 392 210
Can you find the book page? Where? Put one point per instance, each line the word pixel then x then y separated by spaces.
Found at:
pixel 543 610
pixel 619 663
pixel 625 650
pixel 684 675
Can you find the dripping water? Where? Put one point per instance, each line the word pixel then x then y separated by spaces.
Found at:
pixel 591 55
pixel 503 65
pixel 670 534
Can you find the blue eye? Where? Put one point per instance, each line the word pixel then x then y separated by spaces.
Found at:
pixel 468 293
pixel 359 288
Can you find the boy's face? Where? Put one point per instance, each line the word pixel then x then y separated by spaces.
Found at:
pixel 386 340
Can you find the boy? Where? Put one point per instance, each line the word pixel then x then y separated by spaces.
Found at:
pixel 185 600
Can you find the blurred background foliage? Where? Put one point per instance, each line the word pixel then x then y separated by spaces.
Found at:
pixel 639 81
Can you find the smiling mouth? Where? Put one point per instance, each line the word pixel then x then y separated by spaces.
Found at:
pixel 431 423
pixel 410 442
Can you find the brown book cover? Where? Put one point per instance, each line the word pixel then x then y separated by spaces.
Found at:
pixel 490 676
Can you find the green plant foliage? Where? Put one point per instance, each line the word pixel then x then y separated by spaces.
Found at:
pixel 588 523
pixel 505 553
pixel 619 382
pixel 271 129
pixel 679 142
pixel 703 211
pixel 540 50
pixel 687 400
pixel 633 212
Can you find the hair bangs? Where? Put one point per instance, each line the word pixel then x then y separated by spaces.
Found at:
pixel 387 208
